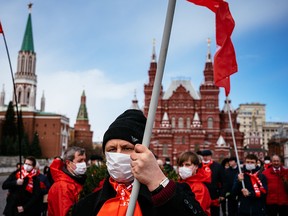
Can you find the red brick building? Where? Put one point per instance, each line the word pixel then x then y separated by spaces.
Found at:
pixel 82 132
pixel 52 128
pixel 190 120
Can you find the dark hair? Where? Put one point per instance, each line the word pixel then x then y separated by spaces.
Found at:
pixel 252 157
pixel 233 159
pixel 31 158
pixel 267 158
pixel 188 155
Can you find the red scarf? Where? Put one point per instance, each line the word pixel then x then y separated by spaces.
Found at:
pixel 207 164
pixel 119 204
pixel 257 184
pixel 29 175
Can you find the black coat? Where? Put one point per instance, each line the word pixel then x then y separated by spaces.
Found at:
pixel 250 205
pixel 217 186
pixel 230 175
pixel 181 203
pixel 18 196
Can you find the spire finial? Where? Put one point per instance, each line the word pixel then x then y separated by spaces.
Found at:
pixel 153 51
pixel 30 7
pixel 208 50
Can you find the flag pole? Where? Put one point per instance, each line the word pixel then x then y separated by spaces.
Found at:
pixel 234 141
pixel 155 96
pixel 16 101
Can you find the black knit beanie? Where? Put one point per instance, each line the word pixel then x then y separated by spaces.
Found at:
pixel 129 126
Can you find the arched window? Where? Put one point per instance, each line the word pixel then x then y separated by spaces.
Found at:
pixel 22 64
pixel 28 97
pixel 210 122
pixel 188 123
pixel 19 96
pixel 30 64
pixel 180 123
pixel 183 140
pixel 173 122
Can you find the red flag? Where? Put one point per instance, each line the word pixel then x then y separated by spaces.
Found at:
pixel 1 29
pixel 225 63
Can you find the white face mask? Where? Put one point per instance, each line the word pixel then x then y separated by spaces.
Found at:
pixel 266 161
pixel 27 167
pixel 185 172
pixel 206 161
pixel 119 166
pixel 80 168
pixel 250 166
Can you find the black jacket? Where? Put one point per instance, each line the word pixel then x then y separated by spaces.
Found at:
pixel 18 196
pixel 217 186
pixel 250 205
pixel 182 202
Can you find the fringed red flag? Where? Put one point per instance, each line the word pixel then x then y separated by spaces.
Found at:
pixel 1 29
pixel 225 63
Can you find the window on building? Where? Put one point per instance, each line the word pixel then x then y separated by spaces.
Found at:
pixel 188 122
pixel 180 123
pixel 30 63
pixel 19 96
pixel 173 122
pixel 183 140
pixel 210 122
pixel 28 97
pixel 22 64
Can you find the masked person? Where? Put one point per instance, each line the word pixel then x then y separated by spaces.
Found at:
pixel 192 173
pixel 69 178
pixel 24 196
pixel 127 160
pixel 217 185
pixel 252 197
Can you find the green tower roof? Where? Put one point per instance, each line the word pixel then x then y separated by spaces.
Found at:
pixel 27 44
pixel 82 113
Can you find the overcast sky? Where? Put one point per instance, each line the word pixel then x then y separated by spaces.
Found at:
pixel 105 47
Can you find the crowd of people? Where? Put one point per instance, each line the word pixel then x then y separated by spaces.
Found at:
pixel 199 185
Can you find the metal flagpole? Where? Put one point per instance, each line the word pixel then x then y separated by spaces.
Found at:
pixel 155 96
pixel 234 141
pixel 16 102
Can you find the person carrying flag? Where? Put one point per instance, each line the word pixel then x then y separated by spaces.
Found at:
pixel 252 197
pixel 127 160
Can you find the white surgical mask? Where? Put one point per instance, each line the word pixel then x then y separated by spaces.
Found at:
pixel 119 167
pixel 250 166
pixel 206 161
pixel 266 161
pixel 27 167
pixel 80 168
pixel 185 172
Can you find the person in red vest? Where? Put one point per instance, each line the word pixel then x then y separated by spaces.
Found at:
pixel 277 194
pixel 192 173
pixel 217 186
pixel 126 160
